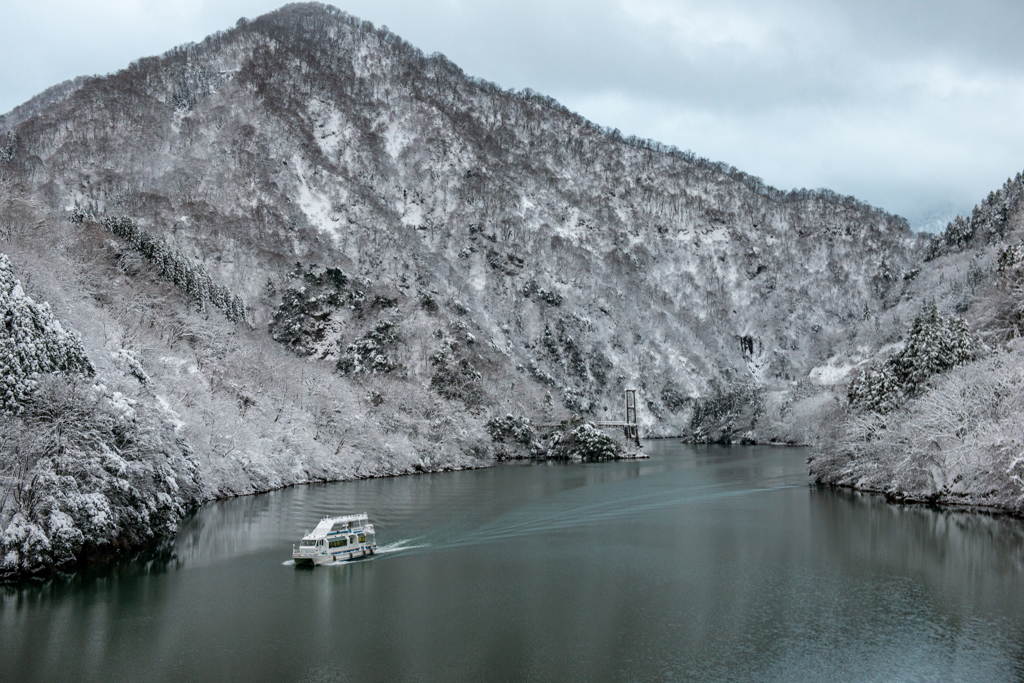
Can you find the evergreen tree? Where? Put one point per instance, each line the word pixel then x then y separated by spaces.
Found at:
pixel 32 342
pixel 936 343
pixel 190 277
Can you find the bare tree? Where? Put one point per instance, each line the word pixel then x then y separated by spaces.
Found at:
pixel 15 207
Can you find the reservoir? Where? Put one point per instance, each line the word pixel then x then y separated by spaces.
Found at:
pixel 700 563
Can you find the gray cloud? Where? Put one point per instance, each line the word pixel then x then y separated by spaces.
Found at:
pixel 913 106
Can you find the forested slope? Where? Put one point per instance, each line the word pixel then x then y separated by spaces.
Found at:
pixel 331 256
pixel 938 419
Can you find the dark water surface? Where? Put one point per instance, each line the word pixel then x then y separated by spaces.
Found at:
pixel 704 563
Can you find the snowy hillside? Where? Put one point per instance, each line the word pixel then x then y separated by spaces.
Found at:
pixel 332 256
pixel 937 419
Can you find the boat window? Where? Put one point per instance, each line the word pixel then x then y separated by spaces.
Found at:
pixel 307 542
pixel 362 538
pixel 339 543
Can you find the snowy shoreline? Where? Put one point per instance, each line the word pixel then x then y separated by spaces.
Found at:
pixel 995 497
pixel 102 552
pixel 941 504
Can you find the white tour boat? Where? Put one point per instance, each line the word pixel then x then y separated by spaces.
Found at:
pixel 335 539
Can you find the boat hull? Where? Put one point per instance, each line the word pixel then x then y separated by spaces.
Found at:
pixel 327 558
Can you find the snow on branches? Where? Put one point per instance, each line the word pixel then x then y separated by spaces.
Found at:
pixel 935 344
pixel 190 277
pixel 512 429
pixel 987 221
pixel 579 440
pixel 370 354
pixel 32 342
pixel 84 474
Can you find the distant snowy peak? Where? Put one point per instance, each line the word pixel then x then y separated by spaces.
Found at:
pixel 935 221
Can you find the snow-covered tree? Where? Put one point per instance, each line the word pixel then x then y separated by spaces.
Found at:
pixel 370 353
pixel 512 429
pixel 190 277
pixel 32 342
pixel 987 222
pixel 456 379
pixel 726 412
pixel 577 439
pixel 85 470
pixel 936 342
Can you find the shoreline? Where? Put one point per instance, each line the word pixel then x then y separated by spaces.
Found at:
pixel 934 503
pixel 110 555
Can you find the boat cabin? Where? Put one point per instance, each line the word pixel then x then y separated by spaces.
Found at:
pixel 336 539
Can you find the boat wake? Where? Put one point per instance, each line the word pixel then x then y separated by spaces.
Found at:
pixel 388 549
pixel 561 514
pixel 399 546
pixel 531 521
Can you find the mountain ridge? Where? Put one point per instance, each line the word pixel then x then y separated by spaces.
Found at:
pixel 416 252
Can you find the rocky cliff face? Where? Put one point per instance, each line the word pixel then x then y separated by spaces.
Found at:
pixel 334 256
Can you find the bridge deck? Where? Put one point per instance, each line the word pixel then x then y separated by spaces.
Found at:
pixel 599 424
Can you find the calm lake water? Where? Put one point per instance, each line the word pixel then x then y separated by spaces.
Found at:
pixel 701 563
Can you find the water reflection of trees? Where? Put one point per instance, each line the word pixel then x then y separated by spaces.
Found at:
pixel 152 561
pixel 234 527
pixel 954 547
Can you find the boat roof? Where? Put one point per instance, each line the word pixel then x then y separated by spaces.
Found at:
pixel 327 523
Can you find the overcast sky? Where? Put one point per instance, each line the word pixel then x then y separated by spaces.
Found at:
pixel 917 107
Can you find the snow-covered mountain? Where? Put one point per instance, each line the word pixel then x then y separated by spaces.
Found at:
pixel 333 256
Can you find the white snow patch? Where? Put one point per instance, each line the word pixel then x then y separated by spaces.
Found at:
pixel 396 139
pixel 829 374
pixel 894 347
pixel 316 205
pixel 178 364
pixel 413 215
pixel 327 124
pixel 172 414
